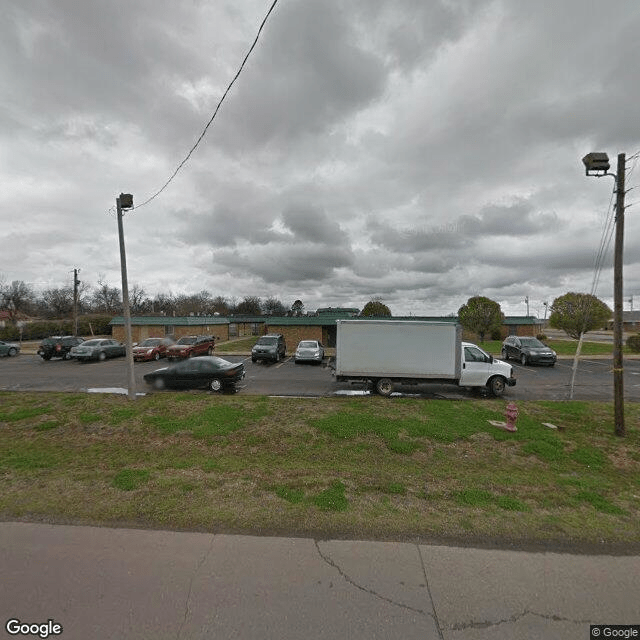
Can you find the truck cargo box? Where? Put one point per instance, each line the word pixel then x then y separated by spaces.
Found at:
pixel 398 348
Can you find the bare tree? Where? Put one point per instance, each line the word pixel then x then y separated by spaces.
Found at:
pixel 17 299
pixel 106 299
pixel 274 307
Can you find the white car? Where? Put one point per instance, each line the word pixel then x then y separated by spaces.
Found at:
pixel 309 351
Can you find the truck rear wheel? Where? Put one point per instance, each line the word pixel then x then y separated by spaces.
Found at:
pixel 384 387
pixel 496 386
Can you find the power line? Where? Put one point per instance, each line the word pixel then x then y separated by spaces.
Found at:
pixel 224 95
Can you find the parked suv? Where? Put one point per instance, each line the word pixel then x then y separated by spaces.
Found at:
pixel 189 346
pixel 270 347
pixel 58 347
pixel 528 351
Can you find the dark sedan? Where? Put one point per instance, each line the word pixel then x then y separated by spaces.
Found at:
pixel 98 349
pixel 528 351
pixel 211 372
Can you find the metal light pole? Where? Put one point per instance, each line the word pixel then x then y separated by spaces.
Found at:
pixel 125 201
pixel 598 164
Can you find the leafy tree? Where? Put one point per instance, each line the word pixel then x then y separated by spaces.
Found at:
pixel 274 307
pixel 577 313
pixel 297 308
pixel 481 315
pixel 375 307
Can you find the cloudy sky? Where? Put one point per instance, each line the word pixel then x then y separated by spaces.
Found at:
pixel 418 151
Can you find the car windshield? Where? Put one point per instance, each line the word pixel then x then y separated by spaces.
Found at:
pixel 267 341
pixel 91 343
pixel 308 344
pixel 531 342
pixel 151 342
pixel 186 341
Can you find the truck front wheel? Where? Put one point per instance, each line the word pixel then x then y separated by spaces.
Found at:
pixel 496 386
pixel 384 387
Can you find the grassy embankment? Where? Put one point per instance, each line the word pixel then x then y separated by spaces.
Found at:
pixel 354 467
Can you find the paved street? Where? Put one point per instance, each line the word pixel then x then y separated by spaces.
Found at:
pixel 128 584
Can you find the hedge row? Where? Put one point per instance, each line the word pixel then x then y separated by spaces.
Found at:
pixel 87 326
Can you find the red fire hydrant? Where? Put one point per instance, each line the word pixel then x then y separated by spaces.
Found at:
pixel 511 414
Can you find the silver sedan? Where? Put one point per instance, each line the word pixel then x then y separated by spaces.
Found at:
pixel 309 351
pixel 9 348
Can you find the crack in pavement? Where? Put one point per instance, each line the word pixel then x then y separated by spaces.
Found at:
pixel 433 604
pixel 352 582
pixel 515 618
pixel 193 577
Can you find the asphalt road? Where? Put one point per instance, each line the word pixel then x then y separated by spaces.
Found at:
pixel 593 379
pixel 128 584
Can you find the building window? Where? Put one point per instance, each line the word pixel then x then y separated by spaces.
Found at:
pixel 233 330
pixel 256 328
pixel 168 329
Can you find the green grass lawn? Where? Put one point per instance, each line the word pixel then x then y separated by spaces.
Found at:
pixel 236 344
pixel 353 467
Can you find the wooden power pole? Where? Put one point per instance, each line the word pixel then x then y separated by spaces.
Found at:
pixel 618 366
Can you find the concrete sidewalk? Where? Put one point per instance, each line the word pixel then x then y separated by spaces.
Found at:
pixel 103 583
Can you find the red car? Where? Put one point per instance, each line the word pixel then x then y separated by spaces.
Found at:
pixel 189 346
pixel 151 349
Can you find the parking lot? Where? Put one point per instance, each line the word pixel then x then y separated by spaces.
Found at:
pixel 28 372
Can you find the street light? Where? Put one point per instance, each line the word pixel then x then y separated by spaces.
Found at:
pixel 597 164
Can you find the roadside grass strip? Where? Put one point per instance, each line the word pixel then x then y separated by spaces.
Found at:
pixel 352 467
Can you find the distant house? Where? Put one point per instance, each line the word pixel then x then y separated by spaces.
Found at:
pixel 630 321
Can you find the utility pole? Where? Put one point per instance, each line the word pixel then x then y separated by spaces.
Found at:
pixel 125 201
pixel 597 164
pixel 527 301
pixel 618 366
pixel 76 282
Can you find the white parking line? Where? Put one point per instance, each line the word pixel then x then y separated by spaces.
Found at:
pixel 286 360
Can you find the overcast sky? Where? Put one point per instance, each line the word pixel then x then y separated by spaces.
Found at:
pixel 418 151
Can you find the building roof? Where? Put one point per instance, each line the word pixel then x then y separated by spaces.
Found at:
pixel 182 321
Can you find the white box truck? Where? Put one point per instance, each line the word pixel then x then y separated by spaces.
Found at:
pixel 389 352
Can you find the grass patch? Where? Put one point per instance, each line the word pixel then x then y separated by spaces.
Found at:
pixel 240 345
pixel 23 413
pixel 332 499
pixel 294 496
pixel 406 467
pixel 598 502
pixel 130 479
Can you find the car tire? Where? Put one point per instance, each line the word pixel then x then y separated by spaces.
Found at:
pixel 523 360
pixel 159 384
pixel 156 356
pixel 210 351
pixel 102 356
pixel 505 355
pixel 66 356
pixel 496 386
pixel 12 352
pixel 215 385
pixel 46 357
pixel 254 359
pixel 384 387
